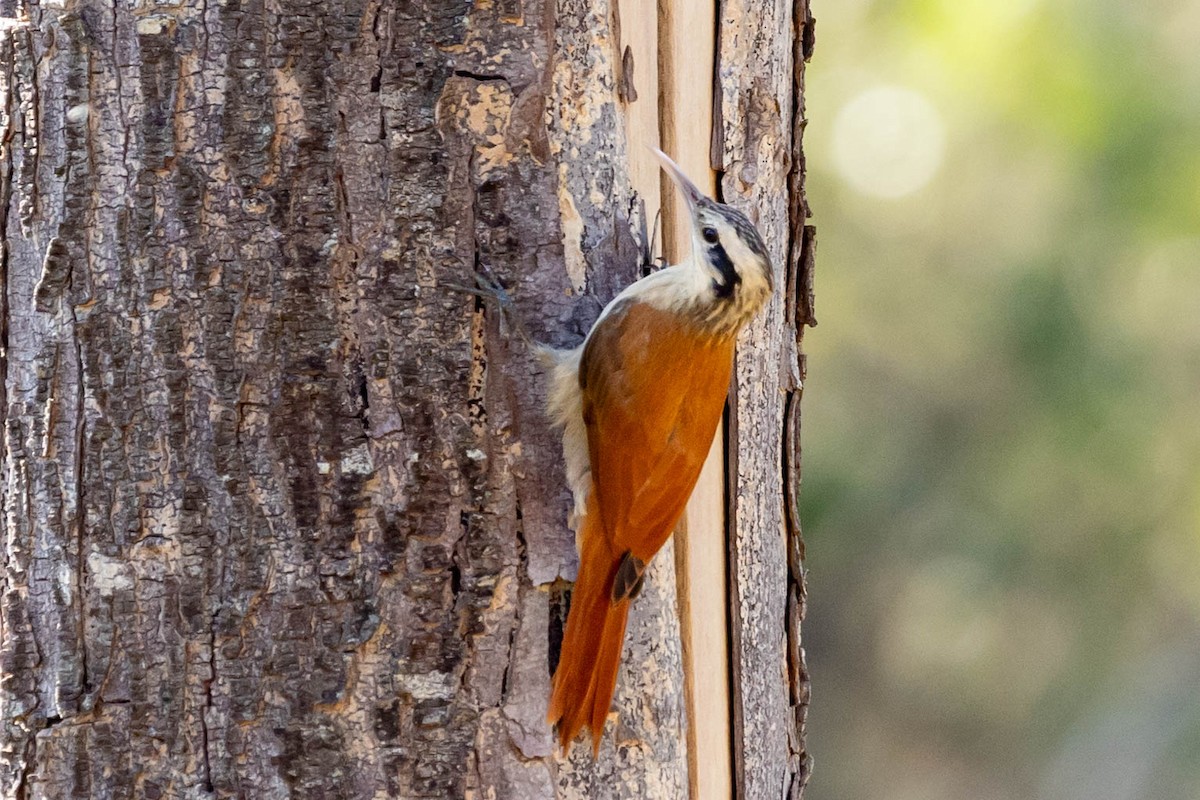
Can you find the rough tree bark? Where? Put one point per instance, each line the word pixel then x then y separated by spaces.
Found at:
pixel 282 515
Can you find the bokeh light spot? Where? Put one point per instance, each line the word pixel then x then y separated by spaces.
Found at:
pixel 888 141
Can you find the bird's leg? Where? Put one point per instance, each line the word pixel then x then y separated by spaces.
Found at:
pixel 489 287
pixel 647 241
pixel 651 262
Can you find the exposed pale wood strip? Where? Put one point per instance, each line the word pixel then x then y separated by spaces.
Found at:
pixel 686 51
pixel 639 32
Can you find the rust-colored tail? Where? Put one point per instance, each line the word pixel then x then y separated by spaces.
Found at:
pixel 591 648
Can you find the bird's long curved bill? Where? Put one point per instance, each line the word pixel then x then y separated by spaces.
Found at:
pixel 690 192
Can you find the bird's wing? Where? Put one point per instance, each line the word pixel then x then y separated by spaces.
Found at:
pixel 653 390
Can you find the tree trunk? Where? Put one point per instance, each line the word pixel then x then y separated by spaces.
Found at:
pixel 282 514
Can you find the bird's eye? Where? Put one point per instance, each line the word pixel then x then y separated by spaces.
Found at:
pixel 710 235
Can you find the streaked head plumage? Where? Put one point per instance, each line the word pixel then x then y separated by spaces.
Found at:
pixel 724 239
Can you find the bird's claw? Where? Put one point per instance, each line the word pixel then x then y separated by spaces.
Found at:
pixel 489 287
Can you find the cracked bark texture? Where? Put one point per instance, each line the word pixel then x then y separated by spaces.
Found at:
pixel 282 515
pixel 757 148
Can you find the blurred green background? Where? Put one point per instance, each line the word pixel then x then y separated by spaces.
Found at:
pixel 1001 490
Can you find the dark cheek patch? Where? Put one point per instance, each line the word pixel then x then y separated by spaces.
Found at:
pixel 729 277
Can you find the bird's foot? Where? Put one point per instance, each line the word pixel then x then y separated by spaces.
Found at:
pixel 489 287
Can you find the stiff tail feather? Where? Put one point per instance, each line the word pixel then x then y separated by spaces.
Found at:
pixel 591 650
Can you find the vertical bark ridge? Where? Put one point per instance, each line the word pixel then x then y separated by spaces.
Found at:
pixel 758 151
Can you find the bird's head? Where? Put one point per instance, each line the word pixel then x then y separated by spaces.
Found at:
pixel 724 242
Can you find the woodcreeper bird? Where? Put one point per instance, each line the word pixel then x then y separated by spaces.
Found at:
pixel 638 403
